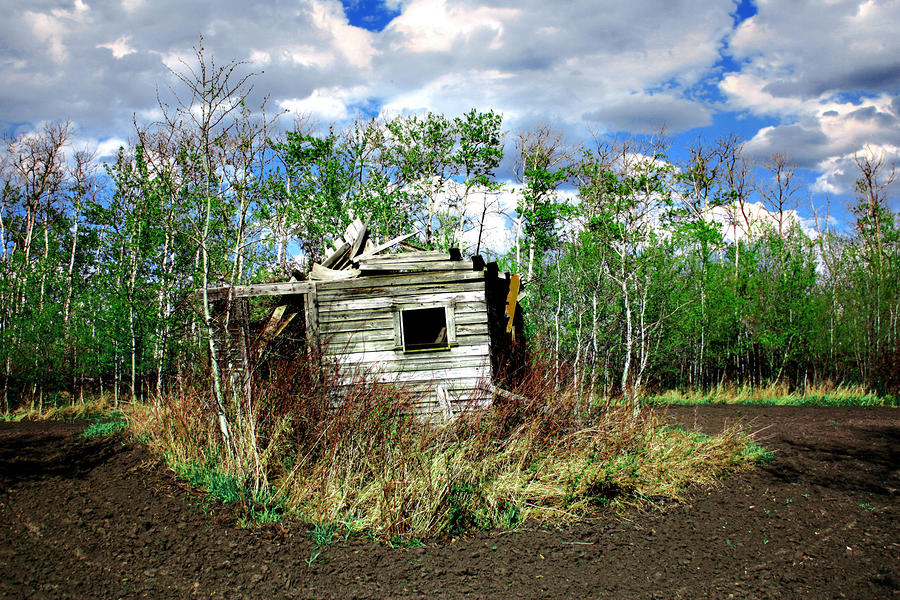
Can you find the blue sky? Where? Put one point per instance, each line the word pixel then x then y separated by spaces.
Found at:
pixel 818 81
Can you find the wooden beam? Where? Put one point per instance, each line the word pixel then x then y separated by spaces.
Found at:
pixel 390 280
pixel 321 273
pixel 387 245
pixel 261 289
pixel 351 234
pixel 361 238
pixel 413 266
pixel 428 256
pixel 337 256
pixel 420 301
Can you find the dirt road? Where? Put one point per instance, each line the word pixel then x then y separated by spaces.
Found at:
pixel 101 519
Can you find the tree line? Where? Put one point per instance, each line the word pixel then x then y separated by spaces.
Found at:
pixel 630 282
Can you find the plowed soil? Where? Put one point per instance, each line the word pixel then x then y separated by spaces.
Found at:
pixel 104 519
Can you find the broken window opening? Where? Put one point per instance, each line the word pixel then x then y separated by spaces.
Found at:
pixel 425 329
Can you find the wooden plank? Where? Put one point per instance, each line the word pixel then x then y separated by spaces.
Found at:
pixel 274 319
pixel 458 373
pixel 469 310
pixel 284 323
pixel 459 388
pixel 400 286
pixel 467 371
pixel 465 362
pixel 381 356
pixel 375 320
pixel 455 378
pixel 385 331
pixel 351 234
pixel 398 279
pixel 418 301
pixel 465 312
pixel 351 346
pixel 362 237
pixel 358 337
pixel 385 339
pixel 387 244
pixel 401 290
pixel 421 391
pixel 470 318
pixel 511 300
pixel 321 273
pixel 336 257
pixel 263 289
pixel 362 326
pixel 409 266
pixel 423 258
pixel 414 254
pixel 406 294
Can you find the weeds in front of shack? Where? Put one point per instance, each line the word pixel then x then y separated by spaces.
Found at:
pixel 356 457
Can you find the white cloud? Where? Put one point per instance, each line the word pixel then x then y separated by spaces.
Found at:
pixel 815 49
pixel 131 6
pixel 109 147
pixel 101 149
pixel 325 104
pixel 433 26
pixel 753 219
pixel 821 77
pixel 823 71
pixel 353 43
pixel 305 55
pixel 50 30
pixel 260 57
pixel 533 61
pixel 120 47
pixel 840 173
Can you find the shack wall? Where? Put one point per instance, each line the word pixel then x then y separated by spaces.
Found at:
pixel 357 326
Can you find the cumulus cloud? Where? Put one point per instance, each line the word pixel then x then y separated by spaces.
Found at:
pixel 120 47
pixel 827 73
pixel 823 78
pixel 813 48
pixel 753 219
pixel 99 63
pixel 840 173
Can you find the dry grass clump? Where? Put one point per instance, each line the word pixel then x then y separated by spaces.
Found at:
pixel 358 456
pixel 62 407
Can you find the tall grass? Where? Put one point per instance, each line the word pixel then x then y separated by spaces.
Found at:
pixel 820 394
pixel 358 455
pixel 62 407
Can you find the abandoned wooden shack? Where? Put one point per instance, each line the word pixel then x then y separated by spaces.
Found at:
pixel 446 329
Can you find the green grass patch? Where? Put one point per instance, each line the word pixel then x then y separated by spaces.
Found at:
pixel 756 453
pixel 100 429
pixel 255 507
pixel 775 395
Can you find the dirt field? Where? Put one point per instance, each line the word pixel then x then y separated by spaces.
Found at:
pixel 100 519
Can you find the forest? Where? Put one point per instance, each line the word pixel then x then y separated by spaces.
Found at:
pixel 643 273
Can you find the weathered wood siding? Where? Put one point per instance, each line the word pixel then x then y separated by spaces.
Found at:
pixel 357 326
